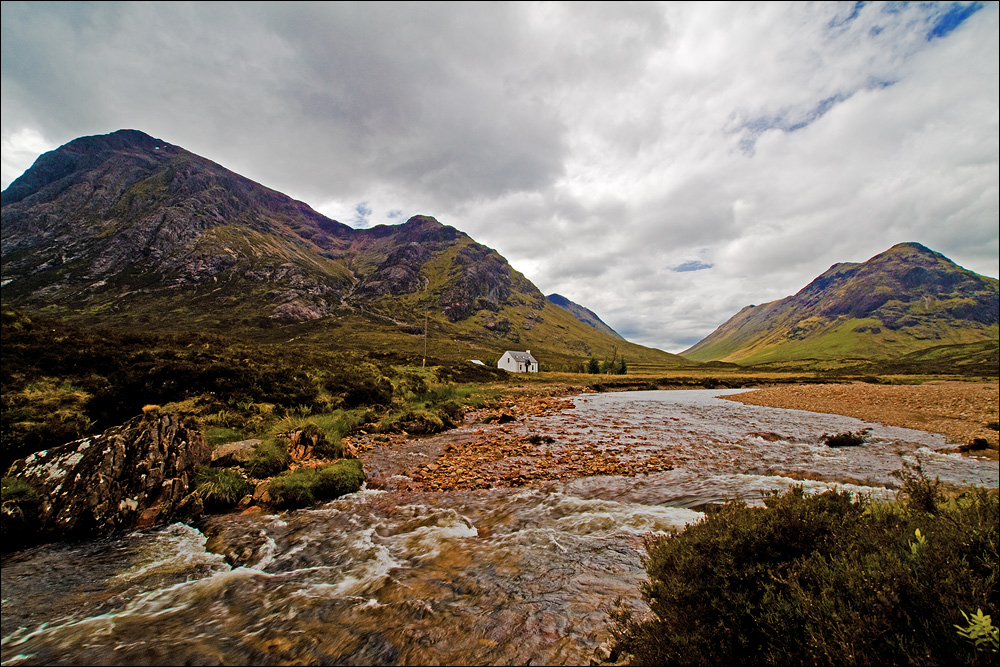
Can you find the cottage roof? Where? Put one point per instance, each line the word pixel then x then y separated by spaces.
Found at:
pixel 522 357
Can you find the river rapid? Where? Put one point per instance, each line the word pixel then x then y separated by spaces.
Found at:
pixel 492 576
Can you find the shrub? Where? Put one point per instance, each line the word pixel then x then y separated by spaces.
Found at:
pixel 847 439
pixel 920 492
pixel 268 459
pixel 817 580
pixel 414 421
pixel 305 486
pixel 19 518
pixel 220 488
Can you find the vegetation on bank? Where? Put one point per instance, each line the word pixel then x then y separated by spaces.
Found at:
pixel 61 382
pixel 304 486
pixel 824 579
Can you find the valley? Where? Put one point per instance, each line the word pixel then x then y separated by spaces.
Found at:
pixel 280 439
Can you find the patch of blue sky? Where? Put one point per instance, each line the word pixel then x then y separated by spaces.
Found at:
pixel 838 21
pixel 951 19
pixel 876 84
pixel 362 214
pixel 693 265
pixel 788 121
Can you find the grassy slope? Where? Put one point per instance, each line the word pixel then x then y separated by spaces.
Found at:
pixel 392 326
pixel 839 340
pixel 924 297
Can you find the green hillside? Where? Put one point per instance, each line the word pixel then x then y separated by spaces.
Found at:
pixel 130 232
pixel 906 299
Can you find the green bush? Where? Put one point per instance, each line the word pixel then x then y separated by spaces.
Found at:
pixel 305 486
pixel 18 490
pixel 268 459
pixel 220 488
pixel 818 580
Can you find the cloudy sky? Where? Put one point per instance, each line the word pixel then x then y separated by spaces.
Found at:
pixel 662 164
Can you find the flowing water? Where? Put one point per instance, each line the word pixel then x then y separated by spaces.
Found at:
pixel 497 576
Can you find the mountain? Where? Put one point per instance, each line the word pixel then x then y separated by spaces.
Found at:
pixel 585 315
pixel 903 300
pixel 126 230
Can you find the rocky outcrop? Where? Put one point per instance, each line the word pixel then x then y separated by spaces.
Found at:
pixel 134 475
pixel 234 453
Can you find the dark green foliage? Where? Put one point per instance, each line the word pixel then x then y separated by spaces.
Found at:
pixel 17 490
pixel 358 383
pixel 818 580
pixel 469 372
pixel 94 379
pixel 220 488
pixel 921 493
pixel 19 518
pixel 268 459
pixel 305 486
pixel 593 366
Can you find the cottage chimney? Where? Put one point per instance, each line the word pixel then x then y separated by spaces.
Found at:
pixel 527 351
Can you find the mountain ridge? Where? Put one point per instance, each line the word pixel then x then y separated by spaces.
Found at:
pixel 903 299
pixel 125 228
pixel 584 314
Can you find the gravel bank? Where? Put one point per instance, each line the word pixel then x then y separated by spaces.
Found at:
pixel 960 410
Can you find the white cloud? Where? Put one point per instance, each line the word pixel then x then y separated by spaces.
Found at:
pixel 19 149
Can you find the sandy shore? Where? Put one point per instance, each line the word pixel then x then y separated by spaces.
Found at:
pixel 959 410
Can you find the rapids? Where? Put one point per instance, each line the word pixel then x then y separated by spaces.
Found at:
pixel 496 576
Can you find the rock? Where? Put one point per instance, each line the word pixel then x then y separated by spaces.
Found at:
pixel 134 475
pixel 234 453
pixel 261 493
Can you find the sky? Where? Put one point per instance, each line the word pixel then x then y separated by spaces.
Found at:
pixel 664 165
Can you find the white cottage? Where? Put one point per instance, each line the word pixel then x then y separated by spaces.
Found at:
pixel 518 362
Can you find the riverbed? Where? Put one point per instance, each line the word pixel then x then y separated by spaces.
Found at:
pixel 412 575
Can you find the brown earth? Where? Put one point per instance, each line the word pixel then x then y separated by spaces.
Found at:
pixel 963 411
pixel 498 450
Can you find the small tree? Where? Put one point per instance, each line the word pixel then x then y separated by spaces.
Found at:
pixel 593 366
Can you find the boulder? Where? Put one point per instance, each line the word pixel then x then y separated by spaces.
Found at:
pixel 234 453
pixel 134 475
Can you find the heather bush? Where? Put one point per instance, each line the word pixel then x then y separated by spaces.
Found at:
pixel 823 579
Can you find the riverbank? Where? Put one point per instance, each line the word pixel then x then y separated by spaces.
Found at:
pixel 962 411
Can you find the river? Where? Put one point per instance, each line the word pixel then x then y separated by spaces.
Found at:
pixel 490 576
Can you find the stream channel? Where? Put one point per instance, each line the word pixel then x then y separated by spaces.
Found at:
pixel 490 576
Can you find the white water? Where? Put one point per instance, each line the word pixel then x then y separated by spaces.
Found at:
pixel 475 577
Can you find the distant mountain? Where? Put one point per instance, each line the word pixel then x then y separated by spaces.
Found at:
pixel 903 300
pixel 127 230
pixel 585 315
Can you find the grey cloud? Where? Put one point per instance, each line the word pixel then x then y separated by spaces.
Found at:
pixel 600 147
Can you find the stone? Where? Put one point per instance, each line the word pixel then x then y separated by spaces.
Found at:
pixel 234 453
pixel 134 475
